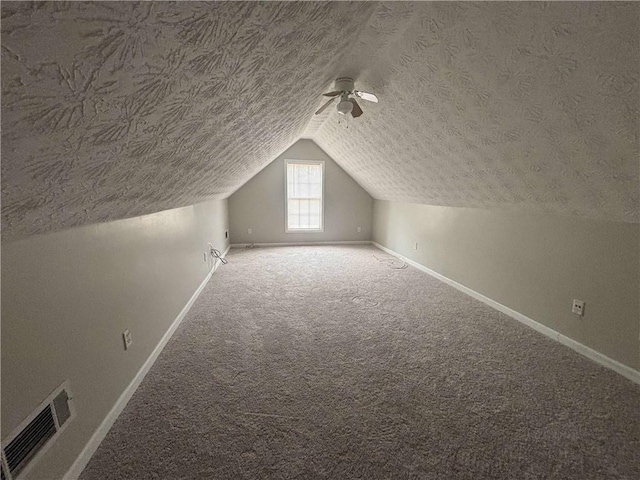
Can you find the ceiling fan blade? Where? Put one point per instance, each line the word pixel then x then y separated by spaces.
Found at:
pixel 369 97
pixel 335 93
pixel 357 111
pixel 321 109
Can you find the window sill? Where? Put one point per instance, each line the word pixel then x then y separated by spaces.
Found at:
pixel 304 230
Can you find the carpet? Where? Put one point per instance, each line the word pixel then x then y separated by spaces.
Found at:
pixel 338 362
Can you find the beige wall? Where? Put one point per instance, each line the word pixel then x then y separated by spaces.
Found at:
pixel 534 264
pixel 259 204
pixel 68 296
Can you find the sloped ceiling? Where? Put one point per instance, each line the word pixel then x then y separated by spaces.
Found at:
pixel 497 105
pixel 112 110
pixel 117 109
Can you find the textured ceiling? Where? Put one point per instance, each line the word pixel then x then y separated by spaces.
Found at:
pixel 497 105
pixel 111 110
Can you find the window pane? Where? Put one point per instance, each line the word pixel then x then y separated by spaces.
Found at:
pixel 304 190
pixel 314 207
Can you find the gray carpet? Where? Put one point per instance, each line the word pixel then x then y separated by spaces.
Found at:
pixel 327 363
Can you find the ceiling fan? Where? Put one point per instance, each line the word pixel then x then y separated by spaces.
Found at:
pixel 344 87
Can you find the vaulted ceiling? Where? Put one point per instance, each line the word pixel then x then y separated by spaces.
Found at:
pixel 112 110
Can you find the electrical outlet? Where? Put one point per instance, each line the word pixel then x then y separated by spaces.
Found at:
pixel 578 307
pixel 249 231
pixel 126 337
pixel 358 229
pixel 415 245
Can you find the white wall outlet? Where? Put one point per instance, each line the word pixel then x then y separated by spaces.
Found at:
pixel 127 339
pixel 415 245
pixel 249 231
pixel 358 229
pixel 578 307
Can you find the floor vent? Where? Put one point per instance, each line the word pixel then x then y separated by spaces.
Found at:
pixel 36 433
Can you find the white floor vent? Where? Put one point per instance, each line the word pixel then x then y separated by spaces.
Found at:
pixel 36 433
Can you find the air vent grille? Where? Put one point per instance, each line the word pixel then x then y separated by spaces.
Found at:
pixel 29 441
pixel 34 435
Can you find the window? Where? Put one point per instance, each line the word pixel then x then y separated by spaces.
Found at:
pixel 304 207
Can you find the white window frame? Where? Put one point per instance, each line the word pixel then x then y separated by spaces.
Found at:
pixel 286 197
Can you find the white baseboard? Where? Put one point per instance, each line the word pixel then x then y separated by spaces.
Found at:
pixel 588 352
pixel 301 244
pixel 96 439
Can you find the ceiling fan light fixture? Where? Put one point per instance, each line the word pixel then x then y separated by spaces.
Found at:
pixel 345 106
pixel 344 88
